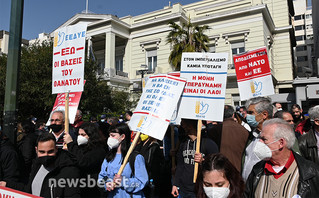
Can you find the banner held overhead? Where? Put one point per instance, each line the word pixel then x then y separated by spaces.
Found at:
pixel 253 74
pixel 204 93
pixel 68 59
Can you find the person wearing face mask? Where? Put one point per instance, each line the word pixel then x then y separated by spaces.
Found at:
pixel 218 178
pixel 89 152
pixel 131 182
pixel 51 166
pixel 259 110
pixel 282 172
pixel 57 127
pixel 186 157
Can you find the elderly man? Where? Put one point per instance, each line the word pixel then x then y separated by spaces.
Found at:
pixel 57 127
pixel 282 173
pixel 308 143
pixel 259 109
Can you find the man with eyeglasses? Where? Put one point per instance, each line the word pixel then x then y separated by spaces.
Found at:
pixel 309 142
pixel 259 109
pixel 57 127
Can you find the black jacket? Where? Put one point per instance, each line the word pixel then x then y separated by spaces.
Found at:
pixel 9 162
pixel 308 146
pixel 63 168
pixel 89 161
pixel 185 162
pixel 308 178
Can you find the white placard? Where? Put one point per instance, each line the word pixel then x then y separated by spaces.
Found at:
pixel 11 193
pixel 156 105
pixel 204 94
pixel 253 74
pixel 68 59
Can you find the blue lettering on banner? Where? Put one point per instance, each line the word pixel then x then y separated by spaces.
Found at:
pixel 149 90
pixel 75 36
pixel 145 102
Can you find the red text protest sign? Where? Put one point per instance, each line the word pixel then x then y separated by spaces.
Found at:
pixel 204 93
pixel 253 74
pixel 11 193
pixel 68 59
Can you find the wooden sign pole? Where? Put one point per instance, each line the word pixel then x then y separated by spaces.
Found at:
pixel 199 133
pixel 66 119
pixel 130 150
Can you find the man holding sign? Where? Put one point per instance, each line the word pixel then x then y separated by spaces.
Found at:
pixel 203 99
pixel 57 126
pixel 186 157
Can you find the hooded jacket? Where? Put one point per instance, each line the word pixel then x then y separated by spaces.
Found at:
pixel 308 178
pixel 185 162
pixel 64 168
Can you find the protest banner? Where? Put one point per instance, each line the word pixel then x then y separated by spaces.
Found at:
pixel 74 100
pixel 68 62
pixel 156 105
pixel 176 120
pixel 68 59
pixel 253 74
pixel 154 109
pixel 11 193
pixel 204 94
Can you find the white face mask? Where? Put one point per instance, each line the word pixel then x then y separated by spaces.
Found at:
pixel 113 142
pixel 82 140
pixel 216 192
pixel 262 151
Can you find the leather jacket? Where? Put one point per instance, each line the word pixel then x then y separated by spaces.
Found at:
pixel 308 146
pixel 308 178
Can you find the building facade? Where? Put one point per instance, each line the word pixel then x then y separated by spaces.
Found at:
pixel 4 42
pixel 122 45
pixel 304 50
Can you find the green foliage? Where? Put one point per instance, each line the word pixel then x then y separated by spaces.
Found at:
pixel 186 38
pixel 35 79
pixel 121 102
pixel 35 86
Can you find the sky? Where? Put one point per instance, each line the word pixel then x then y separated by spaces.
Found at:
pixel 45 16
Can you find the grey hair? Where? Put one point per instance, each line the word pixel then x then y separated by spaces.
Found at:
pixel 314 112
pixel 282 130
pixel 261 104
pixel 58 111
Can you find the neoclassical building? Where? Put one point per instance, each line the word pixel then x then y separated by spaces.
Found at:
pixel 122 45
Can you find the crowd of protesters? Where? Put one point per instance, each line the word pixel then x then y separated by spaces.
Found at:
pixel 259 150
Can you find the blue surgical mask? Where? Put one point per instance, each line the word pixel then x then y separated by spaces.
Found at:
pixel 251 120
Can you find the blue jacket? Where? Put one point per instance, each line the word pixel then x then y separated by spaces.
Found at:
pixel 131 184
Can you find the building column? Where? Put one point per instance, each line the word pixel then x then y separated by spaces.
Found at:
pixel 109 53
pixel 89 47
